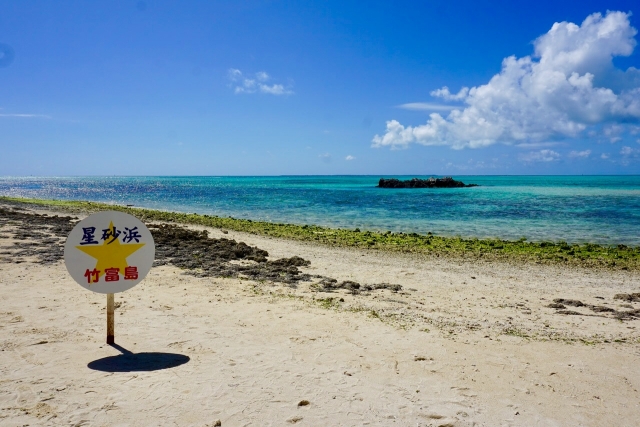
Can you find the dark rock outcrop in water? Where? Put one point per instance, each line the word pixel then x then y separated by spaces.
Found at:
pixel 446 182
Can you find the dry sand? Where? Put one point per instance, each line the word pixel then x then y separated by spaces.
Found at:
pixel 462 344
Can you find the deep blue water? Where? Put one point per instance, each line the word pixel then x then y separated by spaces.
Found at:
pixel 597 209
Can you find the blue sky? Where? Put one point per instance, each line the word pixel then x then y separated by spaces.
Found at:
pixel 273 88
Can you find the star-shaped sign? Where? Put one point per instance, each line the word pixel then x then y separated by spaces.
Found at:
pixel 111 254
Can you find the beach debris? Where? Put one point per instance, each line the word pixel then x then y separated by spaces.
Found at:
pixel 303 403
pixel 602 309
pixel 556 305
pixel 571 302
pixel 329 285
pixel 635 297
pixel 569 312
pixel 627 315
pixel 560 305
pixel 39 236
pixel 190 248
pixel 202 256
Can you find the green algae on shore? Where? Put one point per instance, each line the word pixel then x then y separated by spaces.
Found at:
pixel 560 253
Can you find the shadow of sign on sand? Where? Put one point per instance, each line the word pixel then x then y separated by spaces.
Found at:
pixel 136 362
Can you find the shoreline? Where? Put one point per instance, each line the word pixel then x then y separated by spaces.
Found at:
pixel 228 253
pixel 589 255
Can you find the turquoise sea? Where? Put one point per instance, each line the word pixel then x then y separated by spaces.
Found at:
pixel 595 209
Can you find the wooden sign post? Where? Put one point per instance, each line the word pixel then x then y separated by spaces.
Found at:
pixel 109 252
pixel 110 328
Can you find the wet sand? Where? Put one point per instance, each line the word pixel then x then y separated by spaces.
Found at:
pixel 246 340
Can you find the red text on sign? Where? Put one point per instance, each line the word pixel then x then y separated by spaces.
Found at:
pixel 131 273
pixel 112 274
pixel 92 275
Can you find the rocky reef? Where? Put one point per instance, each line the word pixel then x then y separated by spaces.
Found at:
pixel 446 182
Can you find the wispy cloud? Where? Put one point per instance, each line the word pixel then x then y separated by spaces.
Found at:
pixel 26 116
pixel 540 156
pixel 580 154
pixel 426 106
pixel 472 165
pixel 537 144
pixel 256 83
pixel 629 155
pixel 630 152
pixel 349 157
pixel 326 157
pixel 613 132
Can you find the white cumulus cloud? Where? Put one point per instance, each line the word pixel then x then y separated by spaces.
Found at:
pixel 567 85
pixel 444 93
pixel 242 83
pixel 274 89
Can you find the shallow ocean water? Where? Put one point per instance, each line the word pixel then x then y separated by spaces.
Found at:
pixel 596 209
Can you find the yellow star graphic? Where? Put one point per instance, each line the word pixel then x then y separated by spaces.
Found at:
pixel 111 254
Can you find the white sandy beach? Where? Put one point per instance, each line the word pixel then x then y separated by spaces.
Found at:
pixel 463 344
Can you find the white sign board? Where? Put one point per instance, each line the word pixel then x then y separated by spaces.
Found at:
pixel 109 252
